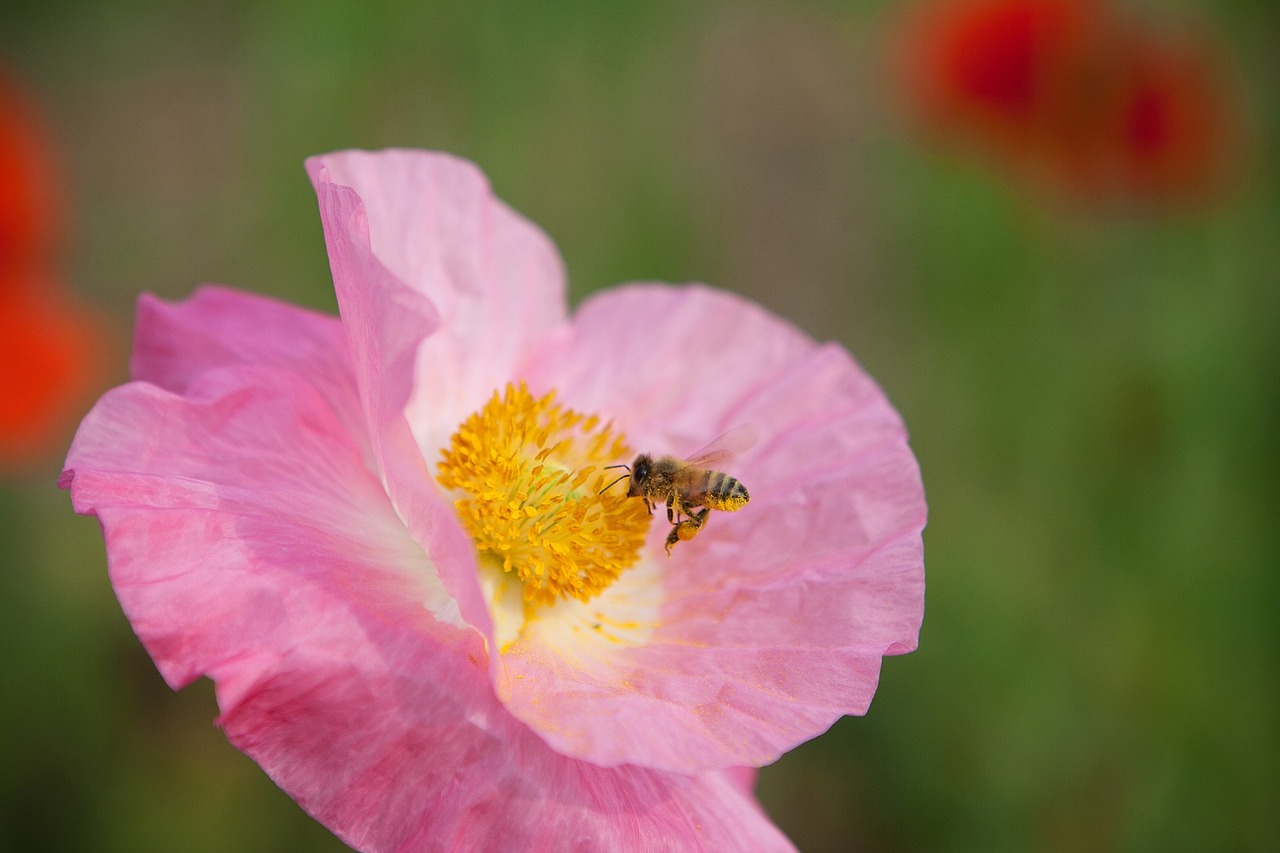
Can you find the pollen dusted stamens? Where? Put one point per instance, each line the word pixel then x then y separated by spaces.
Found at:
pixel 531 471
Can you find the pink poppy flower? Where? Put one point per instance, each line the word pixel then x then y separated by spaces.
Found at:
pixel 383 536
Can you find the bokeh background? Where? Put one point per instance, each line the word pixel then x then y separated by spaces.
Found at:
pixel 1092 385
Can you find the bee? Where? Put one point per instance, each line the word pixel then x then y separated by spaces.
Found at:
pixel 689 487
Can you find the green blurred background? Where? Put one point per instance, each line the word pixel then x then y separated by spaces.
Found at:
pixel 1094 396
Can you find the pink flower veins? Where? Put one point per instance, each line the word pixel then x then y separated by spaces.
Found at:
pixel 280 515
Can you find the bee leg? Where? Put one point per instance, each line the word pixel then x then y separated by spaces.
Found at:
pixel 687 529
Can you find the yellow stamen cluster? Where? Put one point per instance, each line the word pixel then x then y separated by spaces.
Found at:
pixel 530 471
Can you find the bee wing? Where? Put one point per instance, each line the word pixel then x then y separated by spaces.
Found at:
pixel 735 441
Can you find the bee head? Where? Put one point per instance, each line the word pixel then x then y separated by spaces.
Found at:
pixel 639 473
pixel 629 474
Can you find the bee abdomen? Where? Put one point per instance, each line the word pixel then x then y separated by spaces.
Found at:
pixel 725 493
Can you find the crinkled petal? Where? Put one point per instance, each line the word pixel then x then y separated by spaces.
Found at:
pixel 494 279
pixel 219 327
pixel 668 363
pixel 248 541
pixel 249 473
pixel 387 322
pixel 775 619
pixel 448 769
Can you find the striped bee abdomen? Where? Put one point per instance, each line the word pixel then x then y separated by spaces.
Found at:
pixel 723 492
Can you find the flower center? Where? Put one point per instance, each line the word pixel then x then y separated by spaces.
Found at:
pixel 531 471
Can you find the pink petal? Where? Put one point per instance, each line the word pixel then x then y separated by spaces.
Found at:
pixel 218 327
pixel 744 777
pixel 447 769
pixel 776 618
pixel 248 541
pixel 495 280
pixel 669 363
pixel 250 471
pixel 387 323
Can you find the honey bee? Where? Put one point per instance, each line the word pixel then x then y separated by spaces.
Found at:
pixel 689 487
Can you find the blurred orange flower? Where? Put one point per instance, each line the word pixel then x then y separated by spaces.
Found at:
pixel 50 347
pixel 1071 94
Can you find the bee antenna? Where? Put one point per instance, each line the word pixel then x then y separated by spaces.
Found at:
pixel 620 479
pixel 607 467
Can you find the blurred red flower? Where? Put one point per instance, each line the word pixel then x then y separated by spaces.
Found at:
pixel 49 360
pixel 1071 94
pixel 49 345
pixel 30 198
pixel 1177 126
